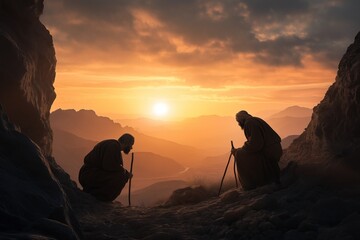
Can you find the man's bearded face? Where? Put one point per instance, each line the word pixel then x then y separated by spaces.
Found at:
pixel 127 149
pixel 241 123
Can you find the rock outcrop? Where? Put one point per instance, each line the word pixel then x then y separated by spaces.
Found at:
pixel 188 195
pixel 332 137
pixel 33 204
pixel 27 69
pixel 27 74
pixel 32 200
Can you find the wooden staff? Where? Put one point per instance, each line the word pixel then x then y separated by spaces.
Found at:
pixel 131 167
pixel 236 179
pixel 227 165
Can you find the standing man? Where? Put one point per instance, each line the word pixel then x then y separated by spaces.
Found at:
pixel 257 160
pixel 103 174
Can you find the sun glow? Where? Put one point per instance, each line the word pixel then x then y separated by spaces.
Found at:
pixel 160 109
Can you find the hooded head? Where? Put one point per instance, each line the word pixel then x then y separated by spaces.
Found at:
pixel 25 10
pixel 126 141
pixel 241 118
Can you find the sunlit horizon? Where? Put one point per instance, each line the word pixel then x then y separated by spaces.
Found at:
pixel 221 58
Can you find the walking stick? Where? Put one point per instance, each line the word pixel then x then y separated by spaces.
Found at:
pixel 236 180
pixel 222 180
pixel 131 167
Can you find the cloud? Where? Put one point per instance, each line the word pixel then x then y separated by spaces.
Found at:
pixel 193 33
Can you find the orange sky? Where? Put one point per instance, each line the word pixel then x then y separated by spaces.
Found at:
pixel 121 57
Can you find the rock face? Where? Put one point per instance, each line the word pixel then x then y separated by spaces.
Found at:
pixel 333 134
pixel 33 204
pixel 188 195
pixel 32 200
pixel 27 69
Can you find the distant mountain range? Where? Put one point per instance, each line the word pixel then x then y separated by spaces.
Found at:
pixel 286 126
pixel 214 133
pixel 293 111
pixel 69 151
pixel 86 124
pixel 210 133
pixel 291 121
pixel 158 155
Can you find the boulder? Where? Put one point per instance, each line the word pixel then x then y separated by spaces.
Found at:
pixel 32 200
pixel 188 195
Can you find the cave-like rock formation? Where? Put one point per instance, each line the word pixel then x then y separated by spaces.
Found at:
pixel 27 74
pixel 332 137
pixel 27 69
pixel 33 204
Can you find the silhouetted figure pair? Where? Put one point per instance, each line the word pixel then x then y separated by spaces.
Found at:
pixel 103 174
pixel 257 160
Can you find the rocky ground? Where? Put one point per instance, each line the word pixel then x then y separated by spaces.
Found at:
pixel 303 208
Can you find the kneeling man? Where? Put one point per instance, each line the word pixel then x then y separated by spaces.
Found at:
pixel 103 174
pixel 257 160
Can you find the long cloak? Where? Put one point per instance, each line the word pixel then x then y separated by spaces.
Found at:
pixel 257 161
pixel 102 174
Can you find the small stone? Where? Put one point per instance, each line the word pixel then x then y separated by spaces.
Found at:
pixel 188 195
pixel 230 196
pixel 266 202
pixel 233 215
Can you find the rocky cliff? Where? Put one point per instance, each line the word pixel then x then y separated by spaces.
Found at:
pixel 33 204
pixel 27 69
pixel 27 74
pixel 332 137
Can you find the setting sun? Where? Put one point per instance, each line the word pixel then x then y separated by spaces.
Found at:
pixel 160 109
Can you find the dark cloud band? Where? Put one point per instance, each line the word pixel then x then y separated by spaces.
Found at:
pixel 275 33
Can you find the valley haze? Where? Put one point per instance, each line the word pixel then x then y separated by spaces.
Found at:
pixel 192 151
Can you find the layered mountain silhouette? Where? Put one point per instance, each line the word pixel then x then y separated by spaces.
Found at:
pixel 291 121
pixel 214 133
pixel 86 124
pixel 73 129
pixel 293 111
pixel 70 150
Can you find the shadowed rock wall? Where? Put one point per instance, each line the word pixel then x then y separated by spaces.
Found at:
pixel 333 134
pixel 33 204
pixel 27 69
pixel 32 201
